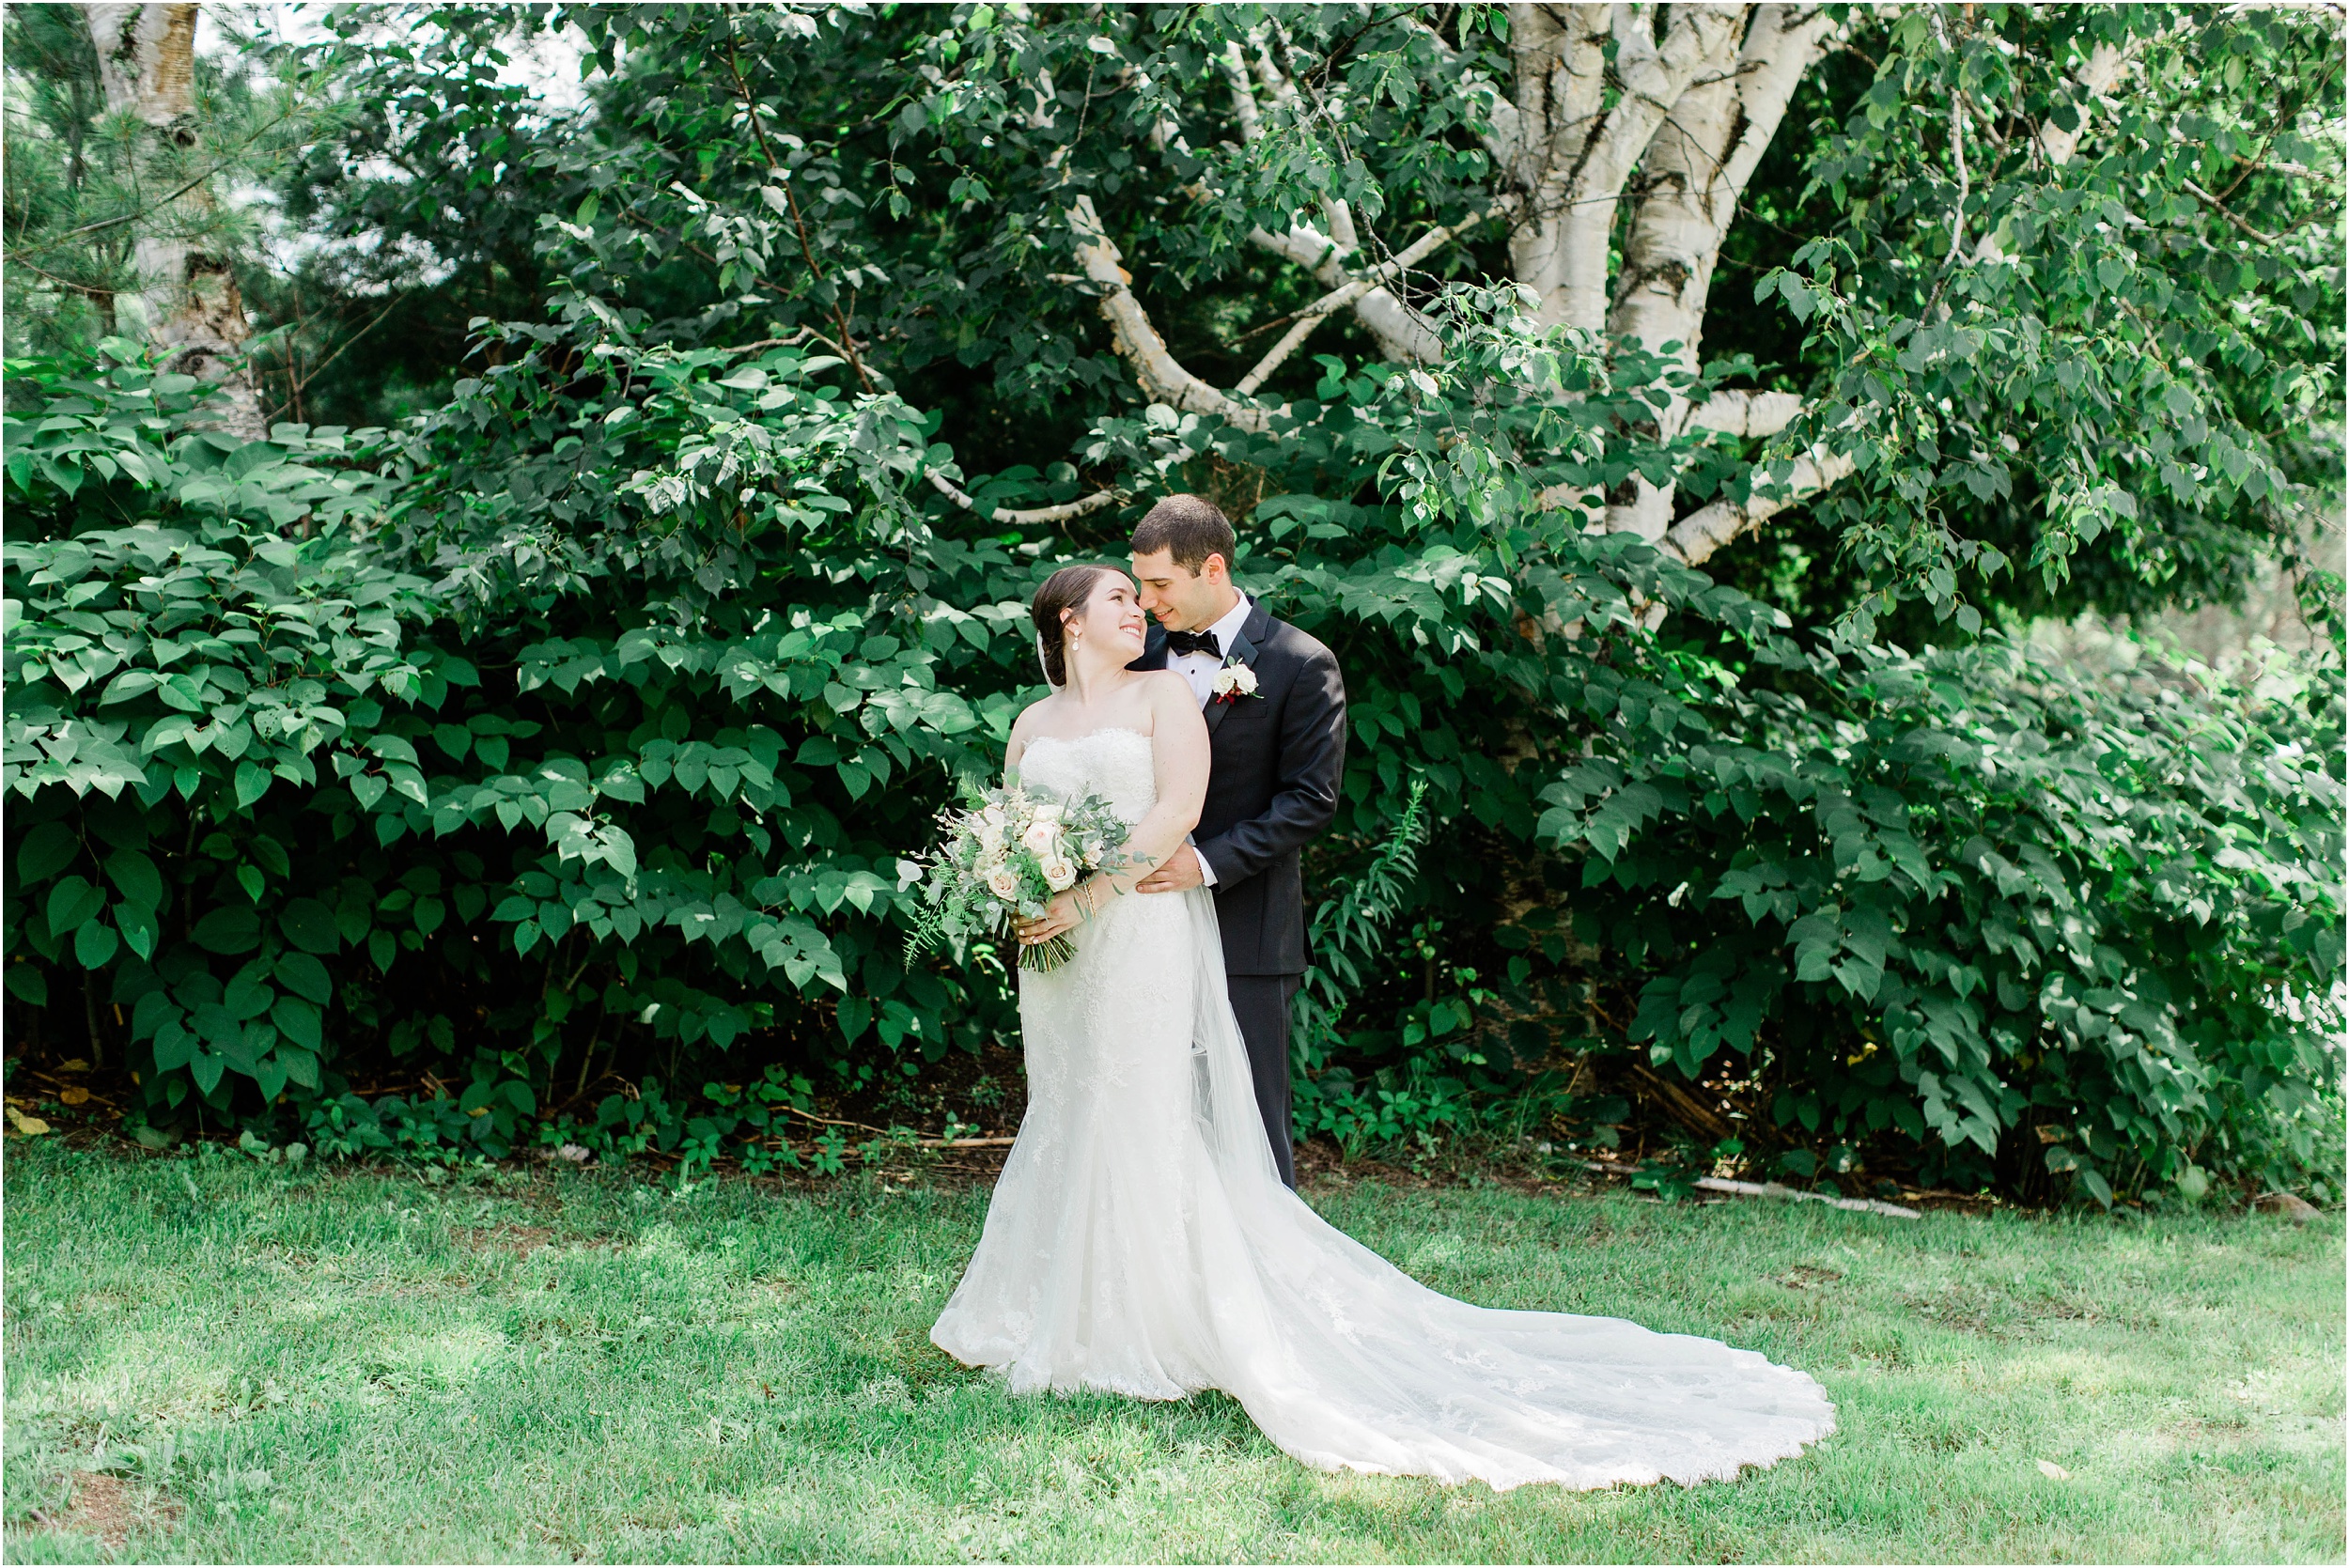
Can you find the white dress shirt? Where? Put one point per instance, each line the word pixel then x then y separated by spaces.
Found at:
pixel 1199 670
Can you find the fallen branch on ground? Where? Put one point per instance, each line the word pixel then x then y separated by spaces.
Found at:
pixel 900 1132
pixel 1767 1189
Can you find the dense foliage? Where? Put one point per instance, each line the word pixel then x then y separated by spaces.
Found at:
pixel 716 670
pixel 538 766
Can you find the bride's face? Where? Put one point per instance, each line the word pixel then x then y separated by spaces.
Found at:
pixel 1113 618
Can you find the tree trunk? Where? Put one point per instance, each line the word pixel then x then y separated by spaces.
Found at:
pixel 1635 126
pixel 1694 173
pixel 188 305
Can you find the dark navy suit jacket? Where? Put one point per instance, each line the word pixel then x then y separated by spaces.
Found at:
pixel 1279 759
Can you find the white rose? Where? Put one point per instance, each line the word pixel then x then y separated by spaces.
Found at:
pixel 1040 836
pixel 1048 810
pixel 1243 679
pixel 1003 883
pixel 1059 873
pixel 990 835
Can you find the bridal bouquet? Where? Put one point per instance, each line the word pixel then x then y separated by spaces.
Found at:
pixel 1003 855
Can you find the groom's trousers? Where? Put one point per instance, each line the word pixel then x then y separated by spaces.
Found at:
pixel 1261 1001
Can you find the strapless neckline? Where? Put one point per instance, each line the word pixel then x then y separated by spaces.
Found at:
pixel 1089 734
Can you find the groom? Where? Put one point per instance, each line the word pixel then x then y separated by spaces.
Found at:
pixel 1279 758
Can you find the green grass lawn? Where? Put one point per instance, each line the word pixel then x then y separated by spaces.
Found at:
pixel 211 1360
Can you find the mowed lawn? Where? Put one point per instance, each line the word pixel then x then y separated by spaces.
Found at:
pixel 211 1360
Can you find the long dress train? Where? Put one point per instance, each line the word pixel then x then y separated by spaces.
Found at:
pixel 1140 1241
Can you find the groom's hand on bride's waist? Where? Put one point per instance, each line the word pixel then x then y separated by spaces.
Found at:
pixel 1180 871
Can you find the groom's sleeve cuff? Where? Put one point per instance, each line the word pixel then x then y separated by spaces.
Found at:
pixel 1206 867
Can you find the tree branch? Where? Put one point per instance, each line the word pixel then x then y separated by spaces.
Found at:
pixel 2230 214
pixel 1401 332
pixel 1340 298
pixel 2096 76
pixel 1061 513
pixel 791 198
pixel 1244 108
pixel 1139 343
pixel 1747 414
pixel 1695 537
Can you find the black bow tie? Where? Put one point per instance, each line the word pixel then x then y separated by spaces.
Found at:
pixel 1179 643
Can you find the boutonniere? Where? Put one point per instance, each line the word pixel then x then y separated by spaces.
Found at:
pixel 1233 682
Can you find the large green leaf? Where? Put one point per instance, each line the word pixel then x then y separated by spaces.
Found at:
pixel 310 925
pixel 228 928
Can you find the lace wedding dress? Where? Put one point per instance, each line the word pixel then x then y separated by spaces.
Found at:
pixel 1139 1241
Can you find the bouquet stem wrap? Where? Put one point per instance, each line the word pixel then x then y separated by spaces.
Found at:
pixel 1050 954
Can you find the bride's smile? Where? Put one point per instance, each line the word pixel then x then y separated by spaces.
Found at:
pixel 1111 626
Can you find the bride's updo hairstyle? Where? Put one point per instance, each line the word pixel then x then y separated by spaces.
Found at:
pixel 1065 589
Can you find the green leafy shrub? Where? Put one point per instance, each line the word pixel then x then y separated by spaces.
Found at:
pixel 471 786
pixel 268 813
pixel 2001 908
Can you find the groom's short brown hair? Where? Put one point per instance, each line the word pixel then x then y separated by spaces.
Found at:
pixel 1190 528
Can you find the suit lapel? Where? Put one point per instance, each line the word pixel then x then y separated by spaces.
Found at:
pixel 1153 649
pixel 1252 631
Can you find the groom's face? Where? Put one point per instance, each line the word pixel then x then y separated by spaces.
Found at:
pixel 1181 599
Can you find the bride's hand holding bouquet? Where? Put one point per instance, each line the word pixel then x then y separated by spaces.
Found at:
pixel 1013 863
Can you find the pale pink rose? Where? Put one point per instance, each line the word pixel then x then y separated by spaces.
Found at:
pixel 1003 883
pixel 1059 873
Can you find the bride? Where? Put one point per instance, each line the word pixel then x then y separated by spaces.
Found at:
pixel 1139 1239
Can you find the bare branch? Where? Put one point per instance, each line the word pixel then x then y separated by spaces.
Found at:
pixel 1061 513
pixel 1348 294
pixel 1402 332
pixel 2229 214
pixel 1305 245
pixel 1957 209
pixel 1163 377
pixel 1695 537
pixel 1244 108
pixel 1747 414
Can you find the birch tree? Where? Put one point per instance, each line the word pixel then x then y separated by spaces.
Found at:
pixel 186 302
pixel 2071 274
pixel 2075 161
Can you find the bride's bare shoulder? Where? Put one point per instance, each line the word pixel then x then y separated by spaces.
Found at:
pixel 1033 717
pixel 1173 707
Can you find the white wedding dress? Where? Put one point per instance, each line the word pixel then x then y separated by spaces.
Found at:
pixel 1139 1241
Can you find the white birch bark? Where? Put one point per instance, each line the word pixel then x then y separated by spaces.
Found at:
pixel 1668 108
pixel 1695 537
pixel 187 305
pixel 1693 174
pixel 1576 154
